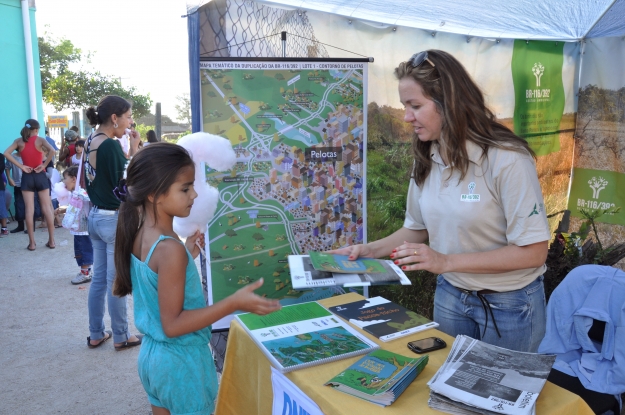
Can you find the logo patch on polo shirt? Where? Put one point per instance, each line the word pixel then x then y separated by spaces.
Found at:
pixel 471 197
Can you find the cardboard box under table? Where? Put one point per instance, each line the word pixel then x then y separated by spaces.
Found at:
pixel 246 381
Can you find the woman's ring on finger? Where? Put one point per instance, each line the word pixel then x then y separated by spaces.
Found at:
pixel 415 252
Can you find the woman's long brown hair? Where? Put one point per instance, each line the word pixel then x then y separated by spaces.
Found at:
pixel 465 115
pixel 151 172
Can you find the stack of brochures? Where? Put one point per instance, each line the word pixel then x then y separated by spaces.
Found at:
pixel 379 377
pixel 481 378
pixel 319 269
pixel 383 318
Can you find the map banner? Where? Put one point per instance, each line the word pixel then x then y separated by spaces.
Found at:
pixel 298 128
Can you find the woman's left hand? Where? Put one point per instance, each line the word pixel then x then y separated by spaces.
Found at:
pixel 38 169
pixel 412 257
pixel 193 241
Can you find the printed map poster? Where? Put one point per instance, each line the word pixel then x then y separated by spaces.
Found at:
pixel 298 128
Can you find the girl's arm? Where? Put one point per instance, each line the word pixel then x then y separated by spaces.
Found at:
pixel 170 262
pixel 49 154
pixel 8 154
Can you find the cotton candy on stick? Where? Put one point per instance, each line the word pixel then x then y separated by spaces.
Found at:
pixel 62 194
pixel 217 153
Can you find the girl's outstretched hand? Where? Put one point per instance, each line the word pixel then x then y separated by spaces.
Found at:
pixel 246 300
pixel 195 243
pixel 354 251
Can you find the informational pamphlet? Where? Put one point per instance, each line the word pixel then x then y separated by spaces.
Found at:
pixel 323 261
pixel 481 378
pixel 379 377
pixel 383 318
pixel 304 335
pixel 305 277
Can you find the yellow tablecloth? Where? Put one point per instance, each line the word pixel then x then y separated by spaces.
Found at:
pixel 246 382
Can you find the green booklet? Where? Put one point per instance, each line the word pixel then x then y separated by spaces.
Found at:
pixel 304 335
pixel 322 261
pixel 379 377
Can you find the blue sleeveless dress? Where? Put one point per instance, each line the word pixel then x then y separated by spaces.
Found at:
pixel 177 373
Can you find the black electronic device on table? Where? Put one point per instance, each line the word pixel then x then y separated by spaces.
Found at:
pixel 427 345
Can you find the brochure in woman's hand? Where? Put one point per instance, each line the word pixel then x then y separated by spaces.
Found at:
pixel 342 264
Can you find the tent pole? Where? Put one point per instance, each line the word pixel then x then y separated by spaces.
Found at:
pixel 284 44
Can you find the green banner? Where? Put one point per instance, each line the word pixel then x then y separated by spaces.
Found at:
pixel 598 189
pixel 538 93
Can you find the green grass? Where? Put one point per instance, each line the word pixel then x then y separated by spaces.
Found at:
pixel 388 177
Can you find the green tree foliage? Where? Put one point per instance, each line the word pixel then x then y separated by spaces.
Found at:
pixel 55 57
pixel 386 126
pixel 66 88
pixel 184 108
pixel 257 236
pixel 602 104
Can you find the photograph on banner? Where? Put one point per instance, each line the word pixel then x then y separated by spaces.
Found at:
pixel 299 133
pixel 506 70
pixel 599 166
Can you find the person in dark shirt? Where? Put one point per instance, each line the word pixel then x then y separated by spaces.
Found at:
pixel 104 165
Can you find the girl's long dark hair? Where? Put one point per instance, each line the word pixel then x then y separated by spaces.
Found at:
pixel 460 103
pixel 151 172
pixel 29 125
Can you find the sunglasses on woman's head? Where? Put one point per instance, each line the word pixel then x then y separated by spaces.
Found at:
pixel 418 58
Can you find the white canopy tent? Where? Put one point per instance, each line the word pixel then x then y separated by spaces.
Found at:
pixel 565 20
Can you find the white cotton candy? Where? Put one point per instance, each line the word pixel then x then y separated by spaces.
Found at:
pixel 62 194
pixel 215 151
pixel 218 154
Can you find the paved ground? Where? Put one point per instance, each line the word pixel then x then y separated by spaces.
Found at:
pixel 45 365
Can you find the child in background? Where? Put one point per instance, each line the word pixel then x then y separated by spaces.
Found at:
pixel 83 250
pixel 80 146
pixel 154 265
pixel 55 177
pixel 4 231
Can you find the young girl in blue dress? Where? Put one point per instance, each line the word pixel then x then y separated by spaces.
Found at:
pixel 175 363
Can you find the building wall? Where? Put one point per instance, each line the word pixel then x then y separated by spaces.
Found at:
pixel 14 104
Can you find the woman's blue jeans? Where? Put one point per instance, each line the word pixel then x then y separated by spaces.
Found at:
pixel 520 315
pixel 102 229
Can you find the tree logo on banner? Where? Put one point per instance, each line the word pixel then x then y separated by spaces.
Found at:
pixel 538 69
pixel 538 94
pixel 597 186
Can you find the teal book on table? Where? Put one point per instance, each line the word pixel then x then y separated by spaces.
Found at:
pixel 379 377
pixel 304 335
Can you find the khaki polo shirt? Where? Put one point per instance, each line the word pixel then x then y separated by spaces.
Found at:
pixel 498 203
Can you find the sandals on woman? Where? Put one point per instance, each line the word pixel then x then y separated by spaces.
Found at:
pixel 126 345
pixel 102 340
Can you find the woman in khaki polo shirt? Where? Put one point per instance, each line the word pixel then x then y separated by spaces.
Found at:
pixel 475 197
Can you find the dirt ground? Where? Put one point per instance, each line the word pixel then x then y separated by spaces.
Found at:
pixel 45 364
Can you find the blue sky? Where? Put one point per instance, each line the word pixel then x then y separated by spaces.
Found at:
pixel 142 41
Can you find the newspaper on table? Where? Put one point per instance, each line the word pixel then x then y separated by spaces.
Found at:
pixel 481 378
